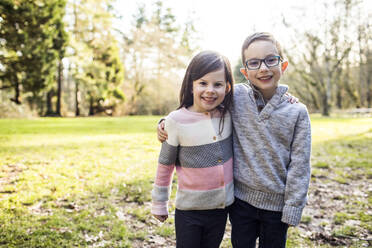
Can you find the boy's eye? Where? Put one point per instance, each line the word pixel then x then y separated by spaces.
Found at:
pixel 271 60
pixel 253 62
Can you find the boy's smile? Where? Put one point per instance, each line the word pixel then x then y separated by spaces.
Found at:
pixel 264 78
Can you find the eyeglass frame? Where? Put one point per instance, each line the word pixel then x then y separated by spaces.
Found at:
pixel 263 60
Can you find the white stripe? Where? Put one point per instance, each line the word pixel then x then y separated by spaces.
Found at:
pixel 203 132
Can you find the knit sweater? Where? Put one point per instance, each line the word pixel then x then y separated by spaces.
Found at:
pixel 271 153
pixel 203 161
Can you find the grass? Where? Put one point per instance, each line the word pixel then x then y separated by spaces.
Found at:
pixel 86 182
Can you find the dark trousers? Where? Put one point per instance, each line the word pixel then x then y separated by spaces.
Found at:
pixel 200 228
pixel 249 223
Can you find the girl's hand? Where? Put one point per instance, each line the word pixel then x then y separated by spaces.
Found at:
pixel 161 218
pixel 162 134
pixel 291 98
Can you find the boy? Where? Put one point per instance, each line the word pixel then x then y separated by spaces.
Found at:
pixel 272 145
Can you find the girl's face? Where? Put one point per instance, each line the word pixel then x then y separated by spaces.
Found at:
pixel 264 78
pixel 209 91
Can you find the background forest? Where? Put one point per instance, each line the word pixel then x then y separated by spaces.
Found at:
pixel 74 58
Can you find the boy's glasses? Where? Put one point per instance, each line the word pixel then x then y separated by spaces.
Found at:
pixel 270 61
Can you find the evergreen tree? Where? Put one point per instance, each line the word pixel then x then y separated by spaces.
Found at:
pixel 31 45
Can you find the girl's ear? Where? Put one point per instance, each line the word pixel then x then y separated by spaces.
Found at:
pixel 284 65
pixel 244 72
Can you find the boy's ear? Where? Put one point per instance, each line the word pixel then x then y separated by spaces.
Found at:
pixel 244 72
pixel 228 88
pixel 284 65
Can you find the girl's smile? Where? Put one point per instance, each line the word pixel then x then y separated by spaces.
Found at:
pixel 209 91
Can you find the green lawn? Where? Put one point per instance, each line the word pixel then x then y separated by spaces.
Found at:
pixel 86 182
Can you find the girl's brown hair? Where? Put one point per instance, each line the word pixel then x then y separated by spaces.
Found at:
pixel 202 64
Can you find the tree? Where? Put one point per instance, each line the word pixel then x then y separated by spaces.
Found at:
pixel 323 67
pixel 364 31
pixel 95 65
pixel 157 50
pixel 28 34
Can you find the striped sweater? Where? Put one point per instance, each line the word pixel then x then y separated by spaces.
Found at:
pixel 203 161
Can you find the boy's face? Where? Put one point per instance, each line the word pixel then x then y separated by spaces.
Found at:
pixel 264 78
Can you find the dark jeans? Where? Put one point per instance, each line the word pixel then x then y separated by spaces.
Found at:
pixel 200 228
pixel 249 223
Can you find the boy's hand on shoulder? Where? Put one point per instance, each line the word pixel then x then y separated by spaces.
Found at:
pixel 291 99
pixel 161 218
pixel 162 134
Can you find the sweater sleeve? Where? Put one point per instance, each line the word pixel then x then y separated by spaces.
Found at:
pixel 166 164
pixel 298 175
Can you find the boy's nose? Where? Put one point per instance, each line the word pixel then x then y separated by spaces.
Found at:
pixel 263 66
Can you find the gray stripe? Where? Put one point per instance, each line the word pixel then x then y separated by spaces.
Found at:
pixel 160 194
pixel 206 155
pixel 168 154
pixel 200 200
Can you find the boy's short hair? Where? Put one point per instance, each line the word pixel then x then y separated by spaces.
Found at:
pixel 260 36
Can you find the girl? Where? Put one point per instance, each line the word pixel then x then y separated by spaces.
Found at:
pixel 199 146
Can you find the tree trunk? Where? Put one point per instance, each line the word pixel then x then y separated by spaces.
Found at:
pixel 91 106
pixel 339 99
pixel 49 105
pixel 325 107
pixel 327 93
pixel 59 87
pixel 369 78
pixel 369 90
pixel 77 92
pixel 17 93
pixel 77 99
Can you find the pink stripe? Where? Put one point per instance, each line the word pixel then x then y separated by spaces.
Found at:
pixel 205 178
pixel 228 169
pixel 164 175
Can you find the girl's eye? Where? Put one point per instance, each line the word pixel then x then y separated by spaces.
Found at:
pixel 218 84
pixel 203 83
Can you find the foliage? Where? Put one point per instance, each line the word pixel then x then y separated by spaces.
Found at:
pixel 9 109
pixel 95 59
pixel 32 40
pixel 157 50
pixel 330 66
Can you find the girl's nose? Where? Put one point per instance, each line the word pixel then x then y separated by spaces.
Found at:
pixel 210 88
